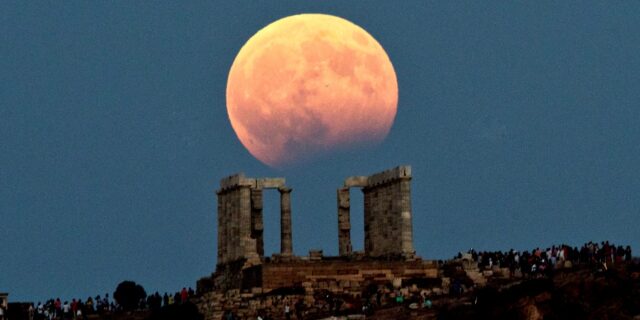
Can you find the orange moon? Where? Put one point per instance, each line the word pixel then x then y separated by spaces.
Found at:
pixel 309 84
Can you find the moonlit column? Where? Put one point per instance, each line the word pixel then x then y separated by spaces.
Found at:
pixel 286 242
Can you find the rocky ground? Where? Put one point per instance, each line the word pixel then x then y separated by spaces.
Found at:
pixel 576 293
pixel 568 294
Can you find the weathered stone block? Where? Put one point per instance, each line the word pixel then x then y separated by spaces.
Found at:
pixel 356 181
pixel 270 183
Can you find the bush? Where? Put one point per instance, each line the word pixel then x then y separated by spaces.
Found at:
pixel 129 294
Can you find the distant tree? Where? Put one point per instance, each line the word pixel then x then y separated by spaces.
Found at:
pixel 129 294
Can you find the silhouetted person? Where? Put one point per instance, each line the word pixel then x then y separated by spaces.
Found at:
pixel 39 310
pixel 66 310
pixel 287 311
pixel 184 294
pixel 89 306
pixel 32 311
pixel 165 299
pixel 105 302
pixel 57 305
pixel 299 309
pixel 158 300
pixel 74 307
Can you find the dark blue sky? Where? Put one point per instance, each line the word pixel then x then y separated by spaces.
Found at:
pixel 521 122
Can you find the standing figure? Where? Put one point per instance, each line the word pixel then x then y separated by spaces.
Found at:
pixel 287 311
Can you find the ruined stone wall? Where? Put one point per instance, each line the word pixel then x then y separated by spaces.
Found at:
pixel 240 218
pixel 313 278
pixel 245 305
pixel 245 281
pixel 341 276
pixel 387 214
pixel 234 225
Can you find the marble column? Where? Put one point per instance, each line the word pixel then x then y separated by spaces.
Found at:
pixel 286 242
pixel 344 222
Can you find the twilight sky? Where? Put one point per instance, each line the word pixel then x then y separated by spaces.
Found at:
pixel 521 123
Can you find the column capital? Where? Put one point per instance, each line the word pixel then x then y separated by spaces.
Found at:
pixel 284 190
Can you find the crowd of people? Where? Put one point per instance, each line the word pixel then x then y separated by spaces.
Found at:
pixel 538 261
pixel 156 301
pixel 78 309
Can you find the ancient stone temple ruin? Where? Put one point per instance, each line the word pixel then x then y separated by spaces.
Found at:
pixel 240 224
pixel 387 213
pixel 245 277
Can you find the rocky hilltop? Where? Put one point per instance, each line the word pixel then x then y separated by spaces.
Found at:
pixel 576 293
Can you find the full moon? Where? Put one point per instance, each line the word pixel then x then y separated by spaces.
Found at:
pixel 310 84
